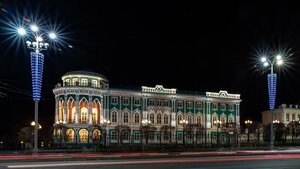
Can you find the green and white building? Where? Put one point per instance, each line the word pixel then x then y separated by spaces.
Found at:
pixel 86 107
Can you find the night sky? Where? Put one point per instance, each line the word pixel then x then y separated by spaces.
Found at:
pixel 188 45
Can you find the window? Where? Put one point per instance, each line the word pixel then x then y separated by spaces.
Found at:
pixel 179 104
pixel 158 118
pixel 159 103
pixel 114 135
pixel 84 115
pixel 75 81
pixel 137 101
pixel 215 121
pixel 293 117
pixel 223 107
pixel 125 135
pixel 166 119
pixel 230 120
pixel 223 120
pixel 215 106
pixel 287 117
pixel 137 118
pixel 136 136
pixel 298 117
pixel 152 118
pixel 94 115
pixel 114 100
pixel 189 105
pixel 83 136
pixel 179 118
pixel 67 82
pixel 190 119
pixel 114 117
pixel 166 103
pixel 199 105
pixel 125 101
pixel 199 120
pixel 125 117
pixel 151 102
pixel 151 135
pixel 84 82
pixel 230 107
pixel 94 83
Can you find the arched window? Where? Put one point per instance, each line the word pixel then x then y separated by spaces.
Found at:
pixel 166 119
pixel 114 117
pixel 152 118
pixel 96 112
pixel 71 111
pixel 158 118
pixel 84 112
pixel 96 135
pixel 223 119
pixel 230 120
pixel 199 120
pixel 215 118
pixel 190 119
pixel 70 135
pixel 136 118
pixel 83 136
pixel 61 110
pixel 179 118
pixel 125 117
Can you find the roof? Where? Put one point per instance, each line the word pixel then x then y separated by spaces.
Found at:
pixel 85 73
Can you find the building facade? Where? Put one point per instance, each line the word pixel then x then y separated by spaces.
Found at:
pixel 284 114
pixel 88 110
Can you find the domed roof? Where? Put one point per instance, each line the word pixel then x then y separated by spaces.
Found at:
pixel 86 73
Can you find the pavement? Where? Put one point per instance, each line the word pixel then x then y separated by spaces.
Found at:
pixel 132 155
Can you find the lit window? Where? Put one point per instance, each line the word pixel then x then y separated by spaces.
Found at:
pixel 94 83
pixel 84 82
pixel 166 119
pixel 83 136
pixel 199 120
pixel 137 118
pixel 179 118
pixel 75 81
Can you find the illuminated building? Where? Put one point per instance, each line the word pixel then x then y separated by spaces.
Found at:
pixel 85 102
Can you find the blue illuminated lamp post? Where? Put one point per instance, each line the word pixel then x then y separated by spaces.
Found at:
pixel 272 77
pixel 37 63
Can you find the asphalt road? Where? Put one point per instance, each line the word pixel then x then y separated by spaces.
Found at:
pixel 279 161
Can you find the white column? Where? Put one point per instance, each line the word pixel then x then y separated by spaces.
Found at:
pixel 65 118
pixel 173 114
pixel 238 113
pixel 77 109
pixel 56 109
pixel 90 110
pixel 208 115
pixel 102 114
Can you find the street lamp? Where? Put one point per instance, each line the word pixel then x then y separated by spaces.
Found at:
pixel 105 123
pixel 37 62
pixel 184 123
pixel 33 124
pixel 248 122
pixel 277 60
pixel 218 123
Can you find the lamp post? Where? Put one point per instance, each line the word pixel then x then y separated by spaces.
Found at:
pixel 218 126
pixel 248 122
pixel 33 124
pixel 37 62
pixel 145 129
pixel 277 60
pixel 105 123
pixel 184 123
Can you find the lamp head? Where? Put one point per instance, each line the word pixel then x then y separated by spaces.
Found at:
pixel 21 31
pixel 34 28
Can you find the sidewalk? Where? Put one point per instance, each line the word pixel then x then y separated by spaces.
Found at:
pixel 126 155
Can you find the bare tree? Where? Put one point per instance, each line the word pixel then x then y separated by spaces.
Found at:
pixel 147 130
pixel 123 131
